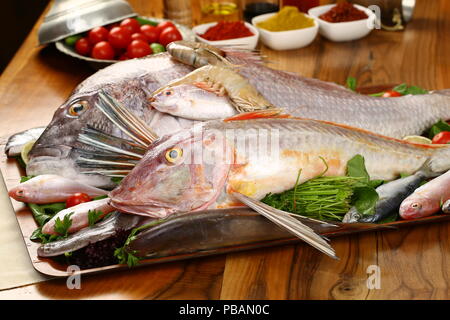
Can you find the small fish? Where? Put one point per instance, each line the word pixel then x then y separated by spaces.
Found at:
pixel 50 188
pixel 100 231
pixel 427 199
pixel 391 195
pixel 16 142
pixel 79 215
pixel 446 207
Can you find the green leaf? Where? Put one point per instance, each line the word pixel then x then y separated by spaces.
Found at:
pixel 351 83
pixel 416 90
pixel 391 218
pixel 438 127
pixel 94 216
pixel 401 88
pixel 365 200
pixel 62 226
pixel 116 180
pixel 25 178
pixel 100 197
pixel 375 183
pixel 143 21
pixel 356 168
pixel 39 214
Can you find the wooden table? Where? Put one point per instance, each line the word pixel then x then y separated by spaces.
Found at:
pixel 414 262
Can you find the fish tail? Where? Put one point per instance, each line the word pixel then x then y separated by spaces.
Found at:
pixel 440 160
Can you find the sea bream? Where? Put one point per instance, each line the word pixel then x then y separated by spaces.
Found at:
pixel 132 83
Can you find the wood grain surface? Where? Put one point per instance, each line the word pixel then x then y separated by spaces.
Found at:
pixel 414 261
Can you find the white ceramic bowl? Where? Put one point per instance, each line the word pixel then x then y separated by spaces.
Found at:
pixel 242 43
pixel 286 40
pixel 344 31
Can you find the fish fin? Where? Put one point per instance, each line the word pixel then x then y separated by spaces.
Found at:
pixel 440 160
pixel 261 114
pixel 286 221
pixel 128 123
pixel 426 171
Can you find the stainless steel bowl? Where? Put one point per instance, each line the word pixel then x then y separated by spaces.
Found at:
pixel 69 17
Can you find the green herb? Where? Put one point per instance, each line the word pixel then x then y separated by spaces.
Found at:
pixel 94 216
pixel 100 197
pixel 438 127
pixel 62 226
pixel 404 89
pixel 71 40
pixel 37 235
pixel 25 178
pixel 123 255
pixel 351 83
pixel 116 180
pixel 143 21
pixel 391 218
pixel 43 213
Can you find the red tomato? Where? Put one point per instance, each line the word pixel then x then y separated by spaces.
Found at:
pixel 112 25
pixel 119 37
pixel 152 33
pixel 131 24
pixel 83 46
pixel 163 25
pixel 138 48
pixel 169 35
pixel 103 50
pixel 139 36
pixel 123 57
pixel 442 137
pixel 98 34
pixel 77 198
pixel 391 93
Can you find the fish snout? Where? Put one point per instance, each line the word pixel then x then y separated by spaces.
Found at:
pixel 17 193
pixel 411 210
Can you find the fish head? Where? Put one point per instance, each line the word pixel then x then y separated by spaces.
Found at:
pixel 417 207
pixel 21 192
pixel 55 150
pixel 179 173
pixel 193 101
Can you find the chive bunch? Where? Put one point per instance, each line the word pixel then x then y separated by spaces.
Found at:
pixel 323 198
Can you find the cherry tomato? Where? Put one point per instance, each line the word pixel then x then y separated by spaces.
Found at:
pixel 138 48
pixel 83 46
pixel 164 25
pixel 442 138
pixel 169 35
pixel 112 25
pixel 131 24
pixel 123 57
pixel 77 198
pixel 152 33
pixel 103 50
pixel 139 36
pixel 391 93
pixel 119 37
pixel 98 34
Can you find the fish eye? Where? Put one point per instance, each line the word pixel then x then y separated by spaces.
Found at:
pixel 77 108
pixel 416 205
pixel 174 154
pixel 168 92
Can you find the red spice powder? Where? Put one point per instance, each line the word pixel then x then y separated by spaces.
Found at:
pixel 225 30
pixel 343 12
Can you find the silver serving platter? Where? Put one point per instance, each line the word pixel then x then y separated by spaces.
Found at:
pixel 185 31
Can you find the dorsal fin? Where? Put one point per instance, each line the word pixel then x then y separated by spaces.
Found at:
pixel 262 114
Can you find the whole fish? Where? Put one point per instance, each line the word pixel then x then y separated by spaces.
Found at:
pixel 17 141
pixel 446 207
pixel 167 180
pixel 427 199
pixel 100 231
pixel 50 188
pixel 391 195
pixel 132 83
pixel 79 215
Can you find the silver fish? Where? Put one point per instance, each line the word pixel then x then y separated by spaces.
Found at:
pixel 100 231
pixel 16 142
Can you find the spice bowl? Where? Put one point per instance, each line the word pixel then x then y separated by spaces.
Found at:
pixel 286 40
pixel 344 31
pixel 242 43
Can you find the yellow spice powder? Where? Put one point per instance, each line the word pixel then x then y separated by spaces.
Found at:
pixel 288 18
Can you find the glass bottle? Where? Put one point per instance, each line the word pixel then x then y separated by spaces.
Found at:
pixel 253 8
pixel 302 5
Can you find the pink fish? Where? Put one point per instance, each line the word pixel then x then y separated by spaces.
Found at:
pixel 427 199
pixel 79 215
pixel 49 188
